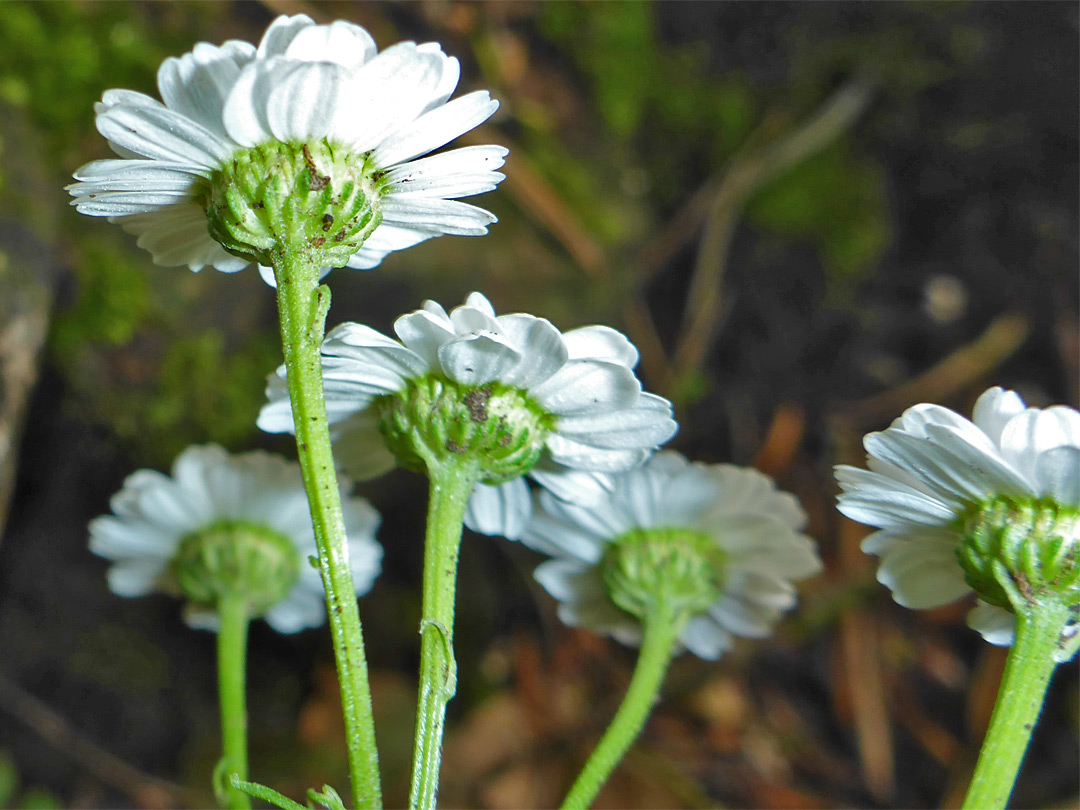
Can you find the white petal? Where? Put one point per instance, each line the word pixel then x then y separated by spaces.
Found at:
pixel 131 538
pixel 443 216
pixel 448 78
pixel 367 259
pixel 387 237
pixel 596 459
pixel 373 353
pixel 1057 475
pixel 453 185
pixel 423 333
pixel 134 577
pixel 751 604
pixel 478 359
pixel 341 42
pixel 748 490
pixel 133 174
pixel 916 419
pixel 922 574
pixel 936 471
pixel 245 114
pixel 276 415
pixel 436 128
pixel 576 486
pixel 428 175
pixel 201 618
pixel 765 545
pixel 572 530
pixel 501 510
pixel 541 347
pixel 303 104
pixel 359 447
pixel 179 236
pixel 994 409
pixel 300 609
pixel 601 343
pixel 126 203
pixel 561 578
pixel 997 625
pixel 647 423
pixel 587 386
pixel 705 638
pixel 1035 431
pixel 161 134
pixel 282 31
pixel 197 84
pixel 387 93
pixel 877 500
pixel 476 315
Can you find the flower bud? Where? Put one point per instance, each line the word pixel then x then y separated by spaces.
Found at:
pixel 315 198
pixel 1034 543
pixel 234 558
pixel 498 427
pixel 684 567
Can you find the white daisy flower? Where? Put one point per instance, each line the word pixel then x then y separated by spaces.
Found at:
pixel 234 120
pixel 514 390
pixel 952 496
pixel 740 540
pixel 228 521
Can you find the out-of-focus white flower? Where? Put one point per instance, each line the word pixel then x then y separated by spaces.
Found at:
pixel 357 120
pixel 245 515
pixel 514 390
pixel 733 521
pixel 938 482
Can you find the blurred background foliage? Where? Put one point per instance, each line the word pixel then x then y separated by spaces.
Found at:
pixel 807 216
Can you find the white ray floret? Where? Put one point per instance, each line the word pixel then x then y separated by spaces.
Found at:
pixel 305 83
pixel 755 528
pixel 933 467
pixel 602 421
pixel 154 513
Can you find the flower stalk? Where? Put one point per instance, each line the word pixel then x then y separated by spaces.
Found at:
pixel 661 627
pixel 232 656
pixel 1028 670
pixel 302 307
pixel 451 483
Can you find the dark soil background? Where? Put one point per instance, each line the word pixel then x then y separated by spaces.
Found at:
pixel 808 216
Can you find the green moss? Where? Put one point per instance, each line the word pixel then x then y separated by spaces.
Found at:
pixel 206 393
pixel 112 298
pixel 835 199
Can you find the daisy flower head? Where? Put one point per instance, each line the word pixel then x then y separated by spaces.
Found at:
pixel 990 504
pixel 507 394
pixel 718 541
pixel 223 525
pixel 312 142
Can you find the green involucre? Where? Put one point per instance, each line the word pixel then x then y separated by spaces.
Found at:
pixel 1036 541
pixel 232 558
pixel 498 427
pixel 317 199
pixel 682 567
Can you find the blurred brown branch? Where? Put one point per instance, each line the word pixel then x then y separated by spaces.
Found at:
pixel 145 790
pixel 746 175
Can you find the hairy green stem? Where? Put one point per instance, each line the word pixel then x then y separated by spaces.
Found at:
pixel 302 307
pixel 232 657
pixel 1028 670
pixel 660 633
pixel 450 486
